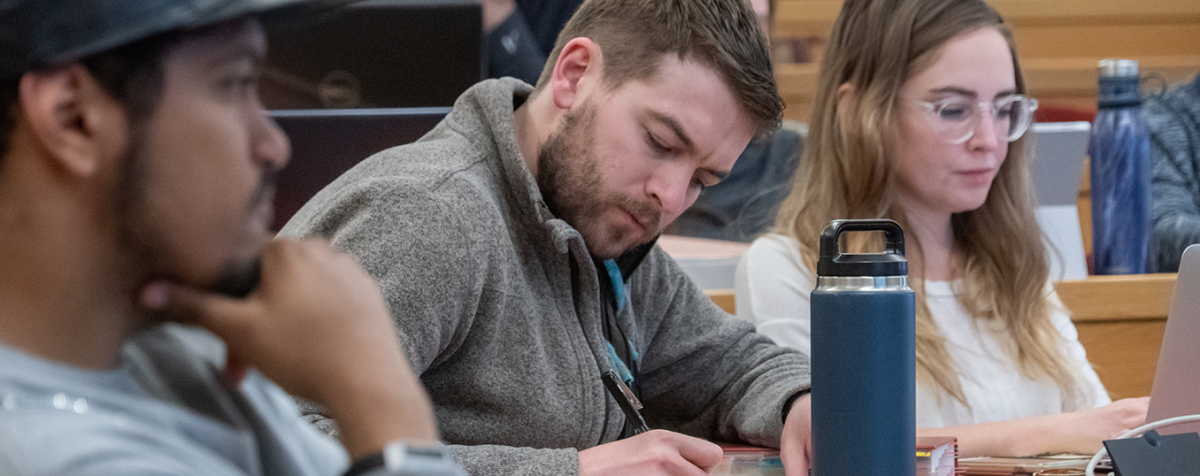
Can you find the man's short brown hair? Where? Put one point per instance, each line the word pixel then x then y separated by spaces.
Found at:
pixel 634 35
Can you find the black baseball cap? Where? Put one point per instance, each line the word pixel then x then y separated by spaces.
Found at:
pixel 37 33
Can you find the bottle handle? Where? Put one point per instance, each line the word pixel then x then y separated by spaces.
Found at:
pixel 891 262
pixel 833 233
pixel 1154 77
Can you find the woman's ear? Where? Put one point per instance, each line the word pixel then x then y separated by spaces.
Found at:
pixel 71 118
pixel 846 108
pixel 580 66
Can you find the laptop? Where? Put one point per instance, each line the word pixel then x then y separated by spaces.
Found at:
pixel 328 142
pixel 1057 151
pixel 375 54
pixel 1176 390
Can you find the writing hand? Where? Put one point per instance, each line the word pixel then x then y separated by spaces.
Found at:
pixel 654 453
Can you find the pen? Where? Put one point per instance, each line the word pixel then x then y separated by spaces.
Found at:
pixel 628 402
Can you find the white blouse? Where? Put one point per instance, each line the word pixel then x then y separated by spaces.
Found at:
pixel 773 287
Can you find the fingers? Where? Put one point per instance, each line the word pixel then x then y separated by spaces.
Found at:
pixel 1130 412
pixel 796 444
pixel 797 465
pixel 656 453
pixel 795 460
pixel 704 454
pixel 217 313
pixel 1139 405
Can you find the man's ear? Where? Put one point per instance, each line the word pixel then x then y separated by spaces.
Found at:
pixel 71 118
pixel 580 66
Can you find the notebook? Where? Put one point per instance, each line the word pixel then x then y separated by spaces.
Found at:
pixel 1176 390
pixel 328 142
pixel 935 456
pixel 1057 151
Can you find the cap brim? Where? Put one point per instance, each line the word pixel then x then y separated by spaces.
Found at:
pixel 124 31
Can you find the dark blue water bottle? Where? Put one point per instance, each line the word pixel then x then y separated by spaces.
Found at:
pixel 1120 155
pixel 863 358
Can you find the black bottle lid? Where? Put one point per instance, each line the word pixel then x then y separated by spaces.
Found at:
pixel 891 262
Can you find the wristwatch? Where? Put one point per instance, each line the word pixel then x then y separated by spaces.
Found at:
pixel 405 458
pixel 401 458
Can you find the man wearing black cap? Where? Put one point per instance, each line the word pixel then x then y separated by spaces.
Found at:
pixel 136 165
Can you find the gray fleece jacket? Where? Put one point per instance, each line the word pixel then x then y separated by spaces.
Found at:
pixel 498 305
pixel 1174 123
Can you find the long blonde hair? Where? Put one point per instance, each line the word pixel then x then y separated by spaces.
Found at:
pixel 875 47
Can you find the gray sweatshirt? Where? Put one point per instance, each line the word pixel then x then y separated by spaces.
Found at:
pixel 165 411
pixel 498 305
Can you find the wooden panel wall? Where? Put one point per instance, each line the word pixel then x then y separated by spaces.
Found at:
pixel 1058 42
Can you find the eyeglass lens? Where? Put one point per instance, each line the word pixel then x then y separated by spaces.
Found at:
pixel 959 117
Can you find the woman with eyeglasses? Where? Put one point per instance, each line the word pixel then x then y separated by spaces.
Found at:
pixel 920 116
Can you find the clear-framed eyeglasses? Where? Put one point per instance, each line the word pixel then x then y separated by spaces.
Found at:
pixel 956 118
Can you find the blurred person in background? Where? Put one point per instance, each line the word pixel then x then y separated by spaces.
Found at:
pixel 743 205
pixel 519 35
pixel 1173 119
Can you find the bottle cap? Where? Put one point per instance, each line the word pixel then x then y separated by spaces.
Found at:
pixel 891 262
pixel 1118 68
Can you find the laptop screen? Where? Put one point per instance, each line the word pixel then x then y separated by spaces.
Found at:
pixel 375 54
pixel 328 142
pixel 1176 390
pixel 1056 152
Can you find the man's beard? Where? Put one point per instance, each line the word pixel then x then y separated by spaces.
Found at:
pixel 144 244
pixel 568 175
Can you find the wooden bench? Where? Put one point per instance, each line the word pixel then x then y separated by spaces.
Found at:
pixel 1120 320
pixel 1058 41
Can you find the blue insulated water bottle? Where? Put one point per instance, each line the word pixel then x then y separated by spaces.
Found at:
pixel 1120 162
pixel 863 358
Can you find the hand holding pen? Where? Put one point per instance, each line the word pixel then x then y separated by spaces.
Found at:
pixel 644 452
pixel 654 453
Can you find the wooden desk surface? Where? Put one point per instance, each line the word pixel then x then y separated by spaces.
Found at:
pixel 1120 320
